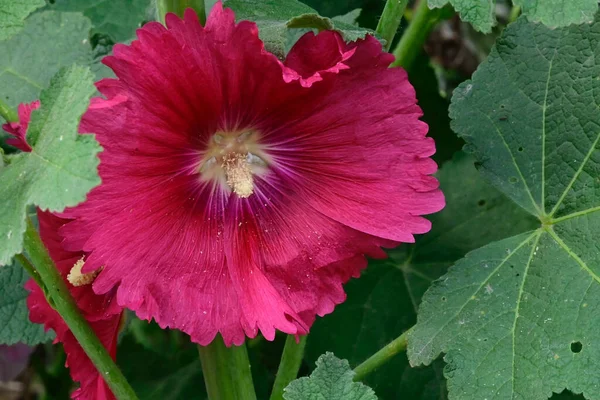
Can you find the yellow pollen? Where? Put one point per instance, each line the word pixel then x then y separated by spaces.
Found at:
pixel 76 278
pixel 238 174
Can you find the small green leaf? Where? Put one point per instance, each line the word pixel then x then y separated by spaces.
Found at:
pixel 13 13
pixel 517 318
pixel 331 380
pixel 116 18
pixel 554 13
pixel 60 169
pixel 278 19
pixel 15 326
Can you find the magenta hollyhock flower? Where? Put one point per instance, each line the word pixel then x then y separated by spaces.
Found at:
pixel 19 129
pixel 240 192
pixel 102 312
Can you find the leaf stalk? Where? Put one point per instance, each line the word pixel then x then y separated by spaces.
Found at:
pixel 382 356
pixel 291 359
pixel 390 20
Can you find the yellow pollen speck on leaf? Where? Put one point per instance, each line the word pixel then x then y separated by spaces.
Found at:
pixel 76 278
pixel 238 174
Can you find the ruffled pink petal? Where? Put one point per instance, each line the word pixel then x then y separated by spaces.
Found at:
pixel 358 152
pixel 194 256
pixel 315 55
pixel 102 313
pixel 19 129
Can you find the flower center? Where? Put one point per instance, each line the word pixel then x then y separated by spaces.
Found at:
pixel 232 159
pixel 238 174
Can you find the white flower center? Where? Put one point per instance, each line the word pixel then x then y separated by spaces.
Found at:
pixel 232 159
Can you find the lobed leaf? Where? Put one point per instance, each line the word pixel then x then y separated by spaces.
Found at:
pixel 60 169
pixel 554 13
pixel 116 18
pixel 517 318
pixel 331 380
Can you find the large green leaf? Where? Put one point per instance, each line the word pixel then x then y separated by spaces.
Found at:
pixel 517 318
pixel 13 13
pixel 15 326
pixel 331 380
pixel 382 303
pixel 554 13
pixel 49 41
pixel 60 169
pixel 116 18
pixel 279 21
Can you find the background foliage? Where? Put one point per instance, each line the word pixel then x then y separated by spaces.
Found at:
pixel 522 295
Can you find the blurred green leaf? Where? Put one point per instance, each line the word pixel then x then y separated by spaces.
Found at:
pixel 331 380
pixel 435 109
pixel 49 41
pixel 62 166
pixel 157 374
pixel 15 326
pixel 116 18
pixel 13 13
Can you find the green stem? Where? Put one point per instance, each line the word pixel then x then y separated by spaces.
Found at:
pixel 8 113
pixel 514 14
pixel 59 297
pixel 390 20
pixel 226 371
pixel 178 7
pixel 411 42
pixel 290 364
pixel 381 357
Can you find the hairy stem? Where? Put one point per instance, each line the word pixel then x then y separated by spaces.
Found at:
pixel 411 42
pixel 390 20
pixel 178 7
pixel 58 296
pixel 291 359
pixel 8 113
pixel 226 371
pixel 381 357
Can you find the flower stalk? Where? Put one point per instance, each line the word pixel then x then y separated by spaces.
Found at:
pixel 178 7
pixel 291 360
pixel 59 298
pixel 226 371
pixel 382 356
pixel 411 42
pixel 390 20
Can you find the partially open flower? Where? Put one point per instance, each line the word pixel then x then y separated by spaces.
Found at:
pixel 101 311
pixel 240 193
pixel 19 129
